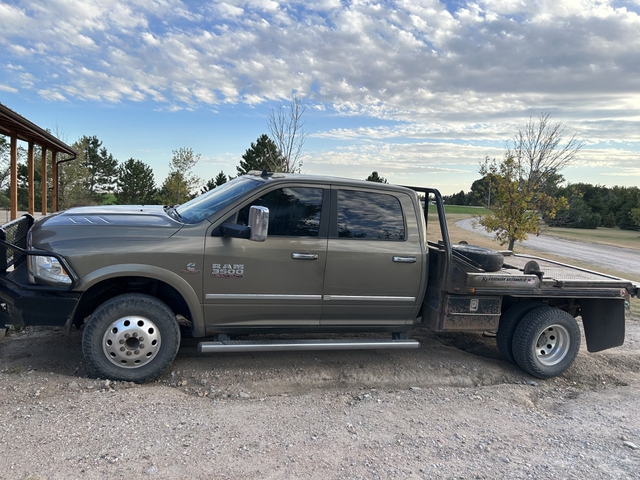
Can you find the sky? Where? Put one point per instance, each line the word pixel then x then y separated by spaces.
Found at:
pixel 420 91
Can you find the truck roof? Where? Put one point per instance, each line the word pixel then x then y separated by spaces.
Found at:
pixel 343 181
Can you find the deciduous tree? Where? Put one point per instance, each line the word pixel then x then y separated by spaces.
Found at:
pixel 525 178
pixel 181 184
pixel 286 128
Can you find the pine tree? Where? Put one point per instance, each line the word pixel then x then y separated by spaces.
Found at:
pixel 135 183
pixel 263 155
pixel 374 177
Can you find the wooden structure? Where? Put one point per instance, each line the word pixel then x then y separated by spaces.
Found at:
pixel 16 127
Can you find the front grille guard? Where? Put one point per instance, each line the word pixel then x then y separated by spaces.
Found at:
pixel 14 252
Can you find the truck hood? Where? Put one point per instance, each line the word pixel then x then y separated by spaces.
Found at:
pixel 93 225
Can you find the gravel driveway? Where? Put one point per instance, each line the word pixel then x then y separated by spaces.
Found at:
pixel 451 409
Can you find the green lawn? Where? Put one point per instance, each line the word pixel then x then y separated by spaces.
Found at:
pixel 460 210
pixel 606 236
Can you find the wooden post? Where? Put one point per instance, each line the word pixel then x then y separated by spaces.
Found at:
pixel 44 180
pixel 54 181
pixel 14 175
pixel 30 185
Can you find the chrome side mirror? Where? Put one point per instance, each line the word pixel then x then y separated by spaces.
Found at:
pixel 259 223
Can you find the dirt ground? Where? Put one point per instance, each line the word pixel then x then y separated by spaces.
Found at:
pixel 451 409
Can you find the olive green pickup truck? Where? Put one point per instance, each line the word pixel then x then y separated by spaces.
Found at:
pixel 295 254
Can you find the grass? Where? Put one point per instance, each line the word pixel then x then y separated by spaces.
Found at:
pixel 602 235
pixel 467 210
pixel 464 209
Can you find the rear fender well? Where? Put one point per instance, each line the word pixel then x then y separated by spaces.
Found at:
pixel 89 283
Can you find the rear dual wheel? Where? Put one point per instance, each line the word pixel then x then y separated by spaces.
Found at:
pixel 546 342
pixel 542 340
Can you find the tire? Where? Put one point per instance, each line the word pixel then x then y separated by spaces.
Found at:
pixel 486 258
pixel 546 342
pixel 131 337
pixel 508 323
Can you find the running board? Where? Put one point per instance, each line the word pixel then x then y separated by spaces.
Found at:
pixel 288 345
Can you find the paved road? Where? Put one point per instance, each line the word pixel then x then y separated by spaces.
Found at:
pixel 615 258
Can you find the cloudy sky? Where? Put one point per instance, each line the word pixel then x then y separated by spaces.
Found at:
pixel 419 90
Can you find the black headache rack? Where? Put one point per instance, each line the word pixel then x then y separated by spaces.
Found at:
pixel 20 301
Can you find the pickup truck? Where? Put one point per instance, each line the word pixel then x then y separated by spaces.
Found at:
pixel 271 253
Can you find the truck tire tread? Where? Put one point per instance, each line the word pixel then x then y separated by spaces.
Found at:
pixel 532 327
pixel 508 323
pixel 123 305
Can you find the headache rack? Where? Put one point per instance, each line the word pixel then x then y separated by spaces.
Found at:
pixel 14 234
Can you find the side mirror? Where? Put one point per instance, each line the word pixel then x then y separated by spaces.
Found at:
pixel 258 223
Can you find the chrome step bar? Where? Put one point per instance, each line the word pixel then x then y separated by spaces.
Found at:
pixel 315 344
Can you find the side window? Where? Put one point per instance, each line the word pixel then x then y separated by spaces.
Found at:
pixel 369 216
pixel 293 211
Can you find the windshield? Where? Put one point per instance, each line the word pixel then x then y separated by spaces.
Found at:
pixel 205 205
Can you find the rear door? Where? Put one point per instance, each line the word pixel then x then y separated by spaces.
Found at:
pixel 374 259
pixel 275 283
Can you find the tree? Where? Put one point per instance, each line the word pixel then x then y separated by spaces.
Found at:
pixel 539 155
pixel 173 184
pixel 374 177
pixel 210 185
pixel 181 182
pixel 286 128
pixel 220 179
pixel 72 190
pixel 526 179
pixel 263 155
pixel 100 166
pixel 635 216
pixel 135 183
pixel 481 191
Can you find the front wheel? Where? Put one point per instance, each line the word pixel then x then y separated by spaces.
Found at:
pixel 546 342
pixel 131 337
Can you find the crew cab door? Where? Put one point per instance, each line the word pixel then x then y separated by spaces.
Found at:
pixel 273 283
pixel 375 263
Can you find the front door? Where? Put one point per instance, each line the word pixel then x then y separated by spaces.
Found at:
pixel 275 283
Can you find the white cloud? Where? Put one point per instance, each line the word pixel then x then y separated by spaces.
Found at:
pixel 52 95
pixel 7 88
pixel 470 70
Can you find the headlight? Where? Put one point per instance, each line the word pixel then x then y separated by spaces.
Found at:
pixel 48 270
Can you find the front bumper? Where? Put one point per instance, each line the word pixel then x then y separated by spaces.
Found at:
pixel 22 304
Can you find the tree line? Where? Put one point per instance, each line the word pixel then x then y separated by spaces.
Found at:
pixel 96 177
pixel 587 206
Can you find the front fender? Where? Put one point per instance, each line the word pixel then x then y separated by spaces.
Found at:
pixel 156 273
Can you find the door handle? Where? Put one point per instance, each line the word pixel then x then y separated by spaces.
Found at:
pixel 304 256
pixel 404 259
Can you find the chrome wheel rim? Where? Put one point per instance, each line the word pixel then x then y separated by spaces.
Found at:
pixel 131 341
pixel 553 345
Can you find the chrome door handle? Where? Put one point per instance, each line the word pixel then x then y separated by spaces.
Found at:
pixel 404 259
pixel 304 256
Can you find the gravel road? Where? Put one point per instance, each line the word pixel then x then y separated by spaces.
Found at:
pixel 451 409
pixel 606 256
